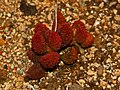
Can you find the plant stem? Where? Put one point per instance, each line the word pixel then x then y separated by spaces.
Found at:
pixel 56 8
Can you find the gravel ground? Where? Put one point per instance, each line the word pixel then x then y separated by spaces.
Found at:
pixel 98 68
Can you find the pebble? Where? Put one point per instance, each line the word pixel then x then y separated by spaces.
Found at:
pixel 81 81
pixel 31 87
pixel 103 83
pixel 18 84
pixel 114 50
pixel 115 26
pixel 20 71
pixel 116 36
pixel 112 3
pixel 100 70
pixel 81 68
pixel 118 79
pixel 8 86
pixel 115 11
pixel 24 35
pixel 118 51
pixel 36 86
pixel 19 62
pixel 50 74
pixel 49 16
pixel 101 5
pixel 12 66
pixel 117 72
pixel 109 44
pixel 105 1
pixel 90 72
pixel 108 60
pixel 117 18
pixel 9 15
pixel 118 1
pixel 74 86
pixel 2 42
pixel 96 23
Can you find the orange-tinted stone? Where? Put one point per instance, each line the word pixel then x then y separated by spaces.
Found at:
pixel 2 41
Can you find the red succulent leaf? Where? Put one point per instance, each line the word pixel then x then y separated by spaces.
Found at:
pixel 70 55
pixel 53 40
pixel 60 20
pixel 38 43
pixel 60 17
pixel 33 56
pixel 66 33
pixel 41 28
pixel 35 72
pixel 80 35
pixel 49 60
pixel 78 24
pixel 89 40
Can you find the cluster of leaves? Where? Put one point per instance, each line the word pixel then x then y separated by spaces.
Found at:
pixel 47 45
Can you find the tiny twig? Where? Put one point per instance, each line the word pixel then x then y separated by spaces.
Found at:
pixel 56 7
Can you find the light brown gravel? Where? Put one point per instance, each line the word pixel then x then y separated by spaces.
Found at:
pixel 98 67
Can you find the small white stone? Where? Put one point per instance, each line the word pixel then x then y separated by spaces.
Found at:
pixel 49 16
pixel 92 11
pixel 105 1
pixel 61 63
pixel 115 11
pixel 118 51
pixel 81 68
pixel 31 87
pixel 96 23
pixel 101 5
pixel 114 51
pixel 118 1
pixel 9 15
pixel 108 86
pixel 90 16
pixel 104 74
pixel 87 13
pixel 36 86
pixel 12 66
pixel 97 83
pixel 108 60
pixel 19 62
pixel 114 77
pixel 109 44
pixel 118 79
pixel 50 74
pixel 3 54
pixel 82 81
